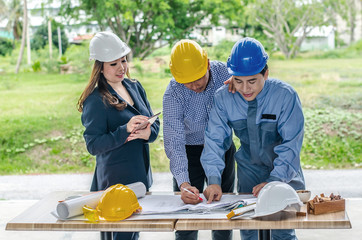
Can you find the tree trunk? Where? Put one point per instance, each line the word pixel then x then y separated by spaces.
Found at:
pixel 23 37
pixel 28 47
pixel 50 38
pixel 352 19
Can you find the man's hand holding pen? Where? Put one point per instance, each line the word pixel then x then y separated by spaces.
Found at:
pixel 190 195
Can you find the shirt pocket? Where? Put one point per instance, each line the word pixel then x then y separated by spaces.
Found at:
pixel 269 133
pixel 241 130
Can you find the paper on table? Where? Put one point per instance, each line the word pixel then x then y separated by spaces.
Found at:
pixel 163 204
pixel 74 207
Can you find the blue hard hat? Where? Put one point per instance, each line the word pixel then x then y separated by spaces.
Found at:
pixel 247 58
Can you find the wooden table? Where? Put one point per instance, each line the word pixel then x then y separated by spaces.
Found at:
pixel 39 218
pixel 338 220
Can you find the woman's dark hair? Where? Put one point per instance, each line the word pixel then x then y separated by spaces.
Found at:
pixel 97 79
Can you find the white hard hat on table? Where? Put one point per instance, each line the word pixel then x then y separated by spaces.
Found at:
pixel 274 197
pixel 107 47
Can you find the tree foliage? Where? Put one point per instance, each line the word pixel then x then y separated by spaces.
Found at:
pixel 347 10
pixel 145 24
pixel 12 11
pixel 40 39
pixel 239 15
pixel 282 19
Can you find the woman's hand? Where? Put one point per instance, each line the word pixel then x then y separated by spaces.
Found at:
pixel 135 121
pixel 141 134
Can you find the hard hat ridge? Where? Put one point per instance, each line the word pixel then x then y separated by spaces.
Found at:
pixel 188 62
pixel 107 47
pixel 247 58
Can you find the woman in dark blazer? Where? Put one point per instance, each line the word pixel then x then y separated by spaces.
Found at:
pixel 112 106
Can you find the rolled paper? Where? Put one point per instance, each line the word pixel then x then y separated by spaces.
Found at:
pixel 74 207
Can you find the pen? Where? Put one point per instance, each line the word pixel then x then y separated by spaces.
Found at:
pixel 191 193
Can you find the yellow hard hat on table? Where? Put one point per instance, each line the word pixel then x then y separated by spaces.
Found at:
pixel 189 61
pixel 118 202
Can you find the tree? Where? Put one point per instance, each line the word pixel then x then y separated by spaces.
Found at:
pixel 143 24
pixel 23 37
pixel 282 19
pixel 40 39
pixel 12 11
pixel 239 16
pixel 347 10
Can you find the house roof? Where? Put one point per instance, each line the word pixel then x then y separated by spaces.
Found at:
pixel 321 31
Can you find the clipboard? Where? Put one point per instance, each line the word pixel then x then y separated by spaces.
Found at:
pixel 143 125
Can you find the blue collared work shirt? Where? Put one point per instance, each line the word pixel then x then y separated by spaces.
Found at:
pixel 270 129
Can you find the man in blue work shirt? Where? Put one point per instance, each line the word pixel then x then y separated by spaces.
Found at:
pixel 186 105
pixel 266 115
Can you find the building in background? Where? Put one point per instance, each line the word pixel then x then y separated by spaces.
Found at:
pixel 76 31
pixel 210 35
pixel 318 38
pixel 39 11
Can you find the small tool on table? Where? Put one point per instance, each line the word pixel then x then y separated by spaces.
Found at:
pixel 241 210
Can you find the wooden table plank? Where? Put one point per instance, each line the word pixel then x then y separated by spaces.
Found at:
pixel 125 226
pixel 338 220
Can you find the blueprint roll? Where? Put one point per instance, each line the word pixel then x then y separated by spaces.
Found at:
pixel 74 206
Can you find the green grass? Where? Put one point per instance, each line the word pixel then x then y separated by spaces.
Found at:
pixel 41 132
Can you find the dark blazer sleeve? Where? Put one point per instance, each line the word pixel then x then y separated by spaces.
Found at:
pixel 155 127
pixel 97 136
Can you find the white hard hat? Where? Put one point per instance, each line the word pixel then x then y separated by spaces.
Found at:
pixel 107 47
pixel 274 197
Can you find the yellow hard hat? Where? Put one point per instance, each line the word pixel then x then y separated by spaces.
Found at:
pixel 118 202
pixel 188 61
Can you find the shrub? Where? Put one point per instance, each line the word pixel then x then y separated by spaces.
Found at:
pixel 36 66
pixel 6 47
pixel 221 51
pixel 63 60
pixel 40 39
pixel 78 57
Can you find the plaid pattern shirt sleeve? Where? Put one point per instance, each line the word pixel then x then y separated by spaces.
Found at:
pixel 185 115
pixel 174 137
